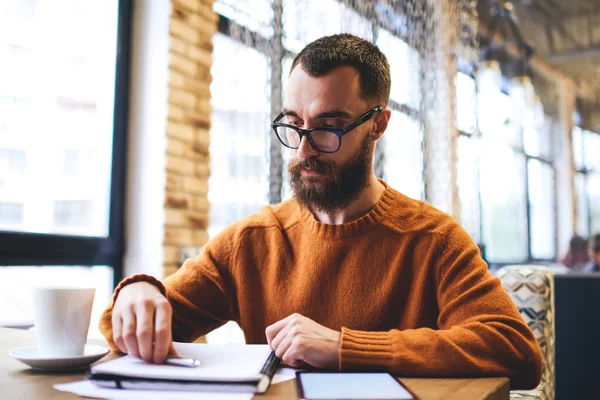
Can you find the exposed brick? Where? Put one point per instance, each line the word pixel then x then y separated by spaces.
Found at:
pixel 203 24
pixel 171 255
pixel 175 147
pixel 176 79
pixel 202 170
pixel 205 43
pixel 195 185
pixel 173 183
pixel 196 220
pixel 200 203
pixel 185 66
pixel 197 152
pixel 199 237
pixel 180 201
pixel 173 217
pixel 200 55
pixel 192 25
pixel 179 165
pixel 199 88
pixel 191 5
pixel 203 74
pixel 182 98
pixel 207 12
pixel 199 119
pixel 176 114
pixel 178 46
pixel 180 237
pixel 181 131
pixel 183 31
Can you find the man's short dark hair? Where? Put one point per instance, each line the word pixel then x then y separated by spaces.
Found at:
pixel 329 52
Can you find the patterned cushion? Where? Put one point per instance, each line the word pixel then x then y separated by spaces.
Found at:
pixel 531 288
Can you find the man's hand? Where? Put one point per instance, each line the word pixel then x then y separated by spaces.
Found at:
pixel 297 340
pixel 141 322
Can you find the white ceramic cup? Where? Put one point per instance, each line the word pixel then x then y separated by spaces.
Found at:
pixel 62 319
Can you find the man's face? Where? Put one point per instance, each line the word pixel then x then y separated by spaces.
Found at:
pixel 329 181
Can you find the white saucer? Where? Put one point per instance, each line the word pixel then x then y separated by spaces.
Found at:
pixel 28 355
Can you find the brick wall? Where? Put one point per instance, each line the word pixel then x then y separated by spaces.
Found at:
pixel 191 27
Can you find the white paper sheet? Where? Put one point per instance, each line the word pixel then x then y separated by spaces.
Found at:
pixel 88 389
pixel 220 362
pixel 284 374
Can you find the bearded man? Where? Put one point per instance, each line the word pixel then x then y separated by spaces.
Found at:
pixel 349 273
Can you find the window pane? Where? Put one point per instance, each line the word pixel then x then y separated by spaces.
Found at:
pixel 583 216
pixel 16 284
pixel 504 209
pixel 404 68
pixel 257 17
pixel 594 201
pixel 541 209
pixel 591 148
pixel 537 132
pixel 240 129
pixel 57 94
pixel 495 109
pixel 577 137
pixel 403 159
pixel 11 214
pixel 465 103
pixel 468 185
pixel 308 20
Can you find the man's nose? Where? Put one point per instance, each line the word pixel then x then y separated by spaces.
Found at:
pixel 305 150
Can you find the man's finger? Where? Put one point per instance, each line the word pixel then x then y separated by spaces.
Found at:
pixel 274 329
pixel 145 329
pixel 129 333
pixel 280 337
pixel 284 345
pixel 117 327
pixel 293 355
pixel 163 343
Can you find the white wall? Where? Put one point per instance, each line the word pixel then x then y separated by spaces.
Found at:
pixel 147 138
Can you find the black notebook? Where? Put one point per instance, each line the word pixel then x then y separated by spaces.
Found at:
pixel 223 368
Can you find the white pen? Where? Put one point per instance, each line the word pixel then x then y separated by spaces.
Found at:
pixel 183 362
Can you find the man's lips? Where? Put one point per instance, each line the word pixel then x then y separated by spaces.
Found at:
pixel 309 172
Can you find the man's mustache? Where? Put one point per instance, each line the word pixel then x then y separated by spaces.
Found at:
pixel 311 164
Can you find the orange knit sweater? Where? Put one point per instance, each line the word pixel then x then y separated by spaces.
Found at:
pixel 404 284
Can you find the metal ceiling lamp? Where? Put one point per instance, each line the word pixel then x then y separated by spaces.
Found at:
pixel 502 15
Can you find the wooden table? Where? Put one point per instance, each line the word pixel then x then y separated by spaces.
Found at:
pixel 18 381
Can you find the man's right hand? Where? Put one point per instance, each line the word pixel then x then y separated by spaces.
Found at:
pixel 141 322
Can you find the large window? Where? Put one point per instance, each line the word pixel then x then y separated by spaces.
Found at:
pixel 505 173
pixel 63 108
pixel 586 150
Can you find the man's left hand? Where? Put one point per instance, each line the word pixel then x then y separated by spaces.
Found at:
pixel 297 340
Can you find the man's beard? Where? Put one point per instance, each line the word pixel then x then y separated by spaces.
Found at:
pixel 337 186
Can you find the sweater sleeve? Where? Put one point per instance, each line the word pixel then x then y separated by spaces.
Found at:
pixel 481 332
pixel 200 292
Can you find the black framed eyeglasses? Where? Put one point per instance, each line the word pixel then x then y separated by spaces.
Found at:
pixel 325 140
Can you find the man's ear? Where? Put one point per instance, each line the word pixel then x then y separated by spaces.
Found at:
pixel 381 123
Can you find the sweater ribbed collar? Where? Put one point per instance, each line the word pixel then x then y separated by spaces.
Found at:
pixel 364 224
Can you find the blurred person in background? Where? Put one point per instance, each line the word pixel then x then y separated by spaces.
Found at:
pixel 594 264
pixel 577 257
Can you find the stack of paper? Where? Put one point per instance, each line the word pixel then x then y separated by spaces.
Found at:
pixel 224 368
